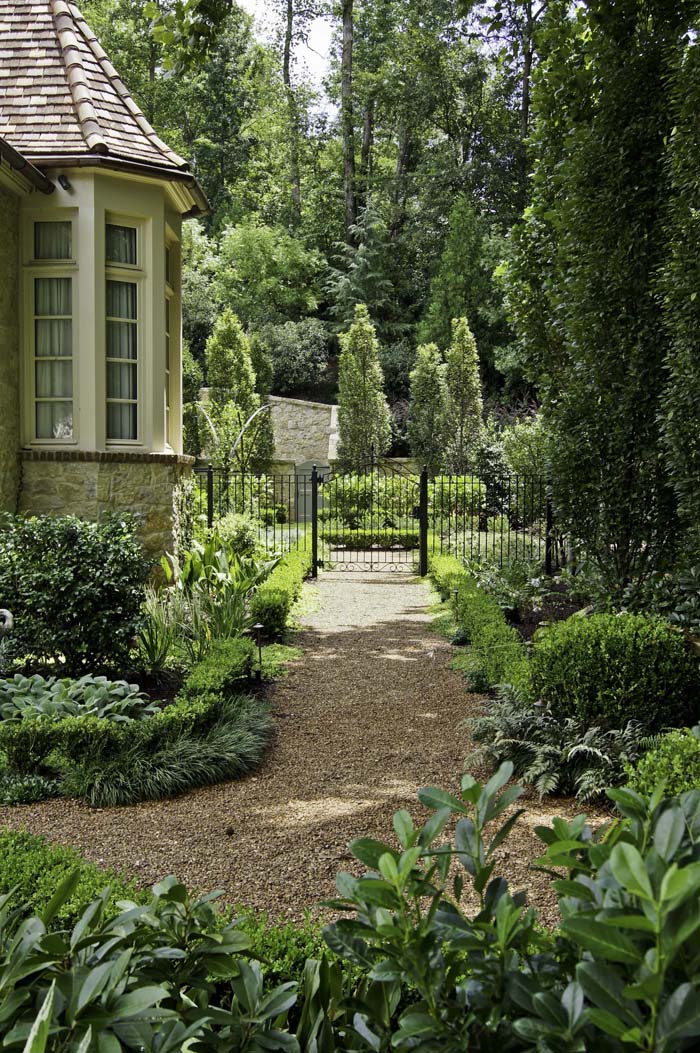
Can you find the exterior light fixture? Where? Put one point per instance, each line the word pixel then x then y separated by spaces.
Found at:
pixel 64 182
pixel 258 628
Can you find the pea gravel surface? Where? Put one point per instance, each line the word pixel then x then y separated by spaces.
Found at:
pixel 369 714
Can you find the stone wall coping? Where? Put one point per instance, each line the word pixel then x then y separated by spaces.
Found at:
pixel 277 399
pixel 106 457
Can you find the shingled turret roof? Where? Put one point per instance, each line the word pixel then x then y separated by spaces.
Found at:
pixel 61 99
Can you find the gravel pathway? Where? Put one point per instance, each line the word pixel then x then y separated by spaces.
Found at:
pixel 370 713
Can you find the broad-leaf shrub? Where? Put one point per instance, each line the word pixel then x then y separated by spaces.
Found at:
pixel 621 974
pixel 75 588
pixel 609 669
pixel 146 979
pixel 495 648
pixel 673 762
pixel 439 954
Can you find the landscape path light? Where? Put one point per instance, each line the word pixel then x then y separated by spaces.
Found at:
pixel 258 628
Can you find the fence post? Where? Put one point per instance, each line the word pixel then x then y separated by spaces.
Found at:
pixel 423 523
pixel 210 496
pixel 549 539
pixel 314 522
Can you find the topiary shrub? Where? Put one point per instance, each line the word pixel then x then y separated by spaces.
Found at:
pixel 75 588
pixel 674 762
pixel 609 669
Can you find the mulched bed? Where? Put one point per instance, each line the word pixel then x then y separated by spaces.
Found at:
pixel 370 713
pixel 557 606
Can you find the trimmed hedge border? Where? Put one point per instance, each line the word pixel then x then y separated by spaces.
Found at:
pixel 497 655
pixel 361 539
pixel 272 603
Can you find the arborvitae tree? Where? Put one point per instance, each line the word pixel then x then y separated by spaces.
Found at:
pixel 233 399
pixel 230 373
pixel 464 414
pixel 364 420
pixel 427 409
pixel 584 275
pixel 681 287
pixel 261 360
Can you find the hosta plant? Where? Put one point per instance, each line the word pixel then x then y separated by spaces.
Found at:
pixel 30 697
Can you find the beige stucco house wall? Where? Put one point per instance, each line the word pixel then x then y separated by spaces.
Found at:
pixel 91 207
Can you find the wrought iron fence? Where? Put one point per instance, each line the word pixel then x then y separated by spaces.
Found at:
pixel 388 518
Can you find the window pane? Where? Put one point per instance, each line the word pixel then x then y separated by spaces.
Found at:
pixel 121 380
pixel 52 297
pixel 54 379
pixel 120 244
pixel 53 241
pixel 54 420
pixel 121 340
pixel 121 300
pixel 53 337
pixel 121 420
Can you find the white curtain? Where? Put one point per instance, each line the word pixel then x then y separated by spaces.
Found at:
pixel 53 350
pixel 121 244
pixel 52 240
pixel 122 345
pixel 121 420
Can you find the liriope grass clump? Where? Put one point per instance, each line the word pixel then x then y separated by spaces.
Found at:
pixel 232 746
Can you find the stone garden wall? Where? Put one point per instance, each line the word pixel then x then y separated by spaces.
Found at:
pixel 58 482
pixel 9 351
pixel 305 432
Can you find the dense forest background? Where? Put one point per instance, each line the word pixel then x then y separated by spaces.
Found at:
pixel 395 185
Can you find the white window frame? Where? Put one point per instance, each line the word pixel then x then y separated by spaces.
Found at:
pixel 32 269
pixel 170 345
pixel 135 274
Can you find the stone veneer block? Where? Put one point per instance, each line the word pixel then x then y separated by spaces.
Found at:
pixel 89 484
pixel 9 352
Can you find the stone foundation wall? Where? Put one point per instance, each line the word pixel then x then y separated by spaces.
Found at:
pixel 304 431
pixel 9 351
pixel 90 484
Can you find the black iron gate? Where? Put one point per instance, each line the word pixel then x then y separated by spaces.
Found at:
pixel 373 518
pixel 388 517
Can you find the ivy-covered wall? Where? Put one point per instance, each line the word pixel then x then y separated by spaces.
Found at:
pixel 9 351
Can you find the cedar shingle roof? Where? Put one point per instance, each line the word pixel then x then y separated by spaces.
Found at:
pixel 60 96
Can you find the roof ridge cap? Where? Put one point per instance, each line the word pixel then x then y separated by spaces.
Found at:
pixel 88 120
pixel 119 86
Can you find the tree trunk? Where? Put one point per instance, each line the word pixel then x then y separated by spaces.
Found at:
pixel 365 172
pixel 347 120
pixel 293 112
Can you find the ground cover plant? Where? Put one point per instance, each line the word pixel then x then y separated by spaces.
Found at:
pixel 552 755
